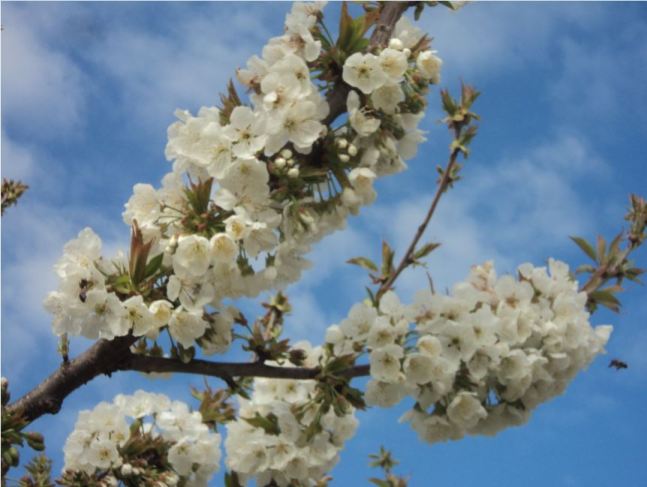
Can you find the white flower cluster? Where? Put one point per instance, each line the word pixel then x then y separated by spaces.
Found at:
pixel 480 359
pixel 256 201
pixel 286 456
pixel 83 305
pixel 101 434
pixel 384 118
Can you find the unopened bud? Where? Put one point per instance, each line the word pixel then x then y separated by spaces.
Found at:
pixel 171 479
pixel 5 391
pixel 396 44
pixel 407 52
pixel 352 150
pixel 279 162
pixel 344 158
pixel 110 481
pixel 297 356
pixel 126 470
pixel 13 455
pixel 293 173
pixel 35 440
pixel 342 143
pixel 270 273
pixel 287 153
pixel 172 244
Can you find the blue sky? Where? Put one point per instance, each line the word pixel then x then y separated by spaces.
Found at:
pixel 88 90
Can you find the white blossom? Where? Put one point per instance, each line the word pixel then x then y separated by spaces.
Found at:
pixel 364 71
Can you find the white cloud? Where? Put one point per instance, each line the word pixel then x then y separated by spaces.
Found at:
pixel 518 209
pixel 43 90
pixel 308 320
pixel 314 306
pixel 17 161
pixel 486 38
pixel 586 78
pixel 594 84
pixel 185 67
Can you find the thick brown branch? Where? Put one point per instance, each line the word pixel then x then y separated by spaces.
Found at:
pixel 104 357
pixel 227 370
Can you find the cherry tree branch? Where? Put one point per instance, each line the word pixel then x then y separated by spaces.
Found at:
pixel 228 370
pixel 106 357
pixel 407 258
pixel 102 358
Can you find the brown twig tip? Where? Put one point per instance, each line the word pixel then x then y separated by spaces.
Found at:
pixel 12 190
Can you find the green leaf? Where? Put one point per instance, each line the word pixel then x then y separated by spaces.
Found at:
pixel 601 249
pixel 606 298
pixel 387 259
pixel 345 28
pixel 231 479
pixel 633 273
pixel 449 5
pixel 418 11
pixel 425 250
pixel 269 423
pixel 584 268
pixel 379 482
pixel 586 247
pixel 371 296
pixel 367 264
pixel 468 95
pixel 154 264
pixel 449 104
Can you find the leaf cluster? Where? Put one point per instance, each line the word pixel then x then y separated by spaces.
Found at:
pixel 12 190
pixel 13 434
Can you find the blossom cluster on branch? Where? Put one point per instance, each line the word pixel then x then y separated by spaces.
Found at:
pixel 252 187
pixel 117 442
pixel 481 358
pixel 279 439
pixel 254 183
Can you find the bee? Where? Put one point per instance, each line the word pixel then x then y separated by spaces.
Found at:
pixel 618 364
pixel 84 287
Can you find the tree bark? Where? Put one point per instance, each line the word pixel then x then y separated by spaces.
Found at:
pixel 228 370
pixel 102 358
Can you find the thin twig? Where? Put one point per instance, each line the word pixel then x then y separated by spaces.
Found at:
pixel 407 258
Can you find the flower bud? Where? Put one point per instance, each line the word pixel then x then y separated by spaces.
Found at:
pixel 35 440
pixel 110 481
pixel 172 245
pixel 293 173
pixel 352 150
pixel 5 391
pixel 342 143
pixel 270 273
pixel 396 44
pixel 279 162
pixel 344 158
pixel 286 153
